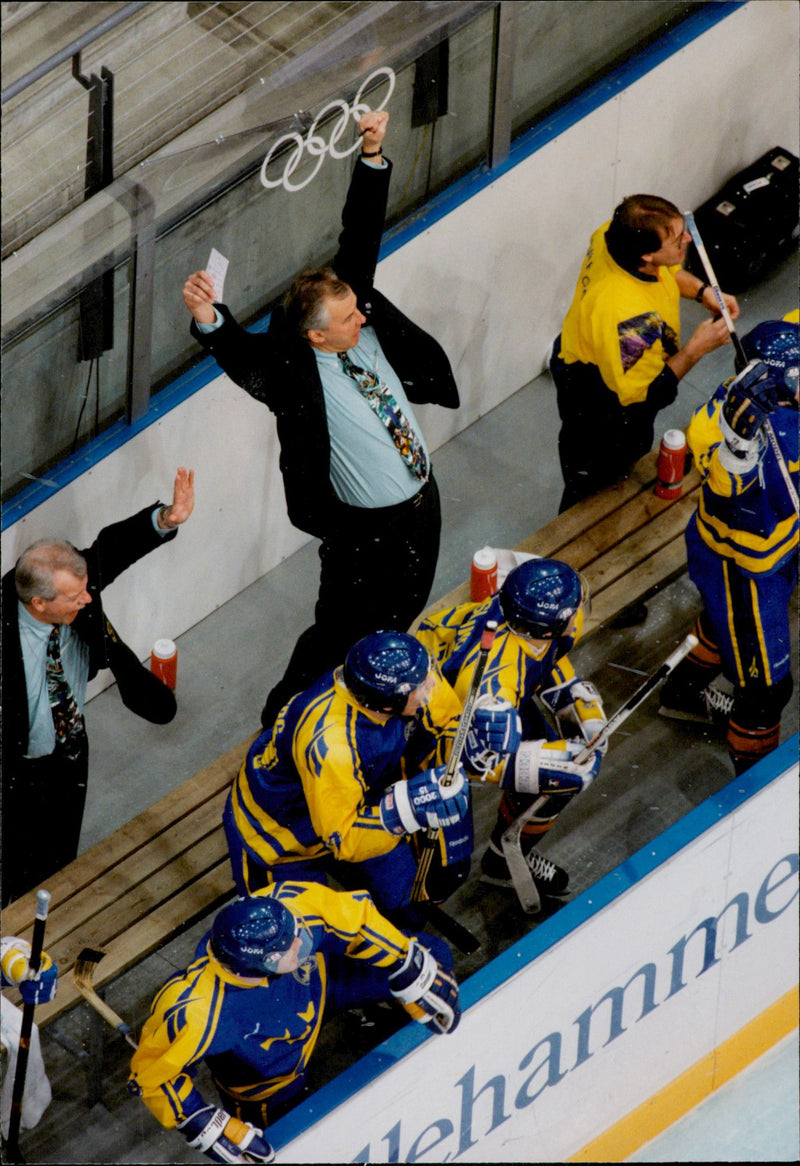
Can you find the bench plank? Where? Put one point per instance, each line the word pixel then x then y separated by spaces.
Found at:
pixel 651 575
pixel 595 526
pixel 146 936
pixel 132 892
pixel 549 540
pixel 627 557
pixel 107 914
pixel 158 819
pixel 644 516
pixel 139 871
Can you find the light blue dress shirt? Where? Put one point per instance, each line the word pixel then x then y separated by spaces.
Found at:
pixel 367 469
pixel 33 637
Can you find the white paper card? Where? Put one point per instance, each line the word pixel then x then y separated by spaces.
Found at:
pixel 217 268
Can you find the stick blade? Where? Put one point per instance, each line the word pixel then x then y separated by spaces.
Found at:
pixel 87 961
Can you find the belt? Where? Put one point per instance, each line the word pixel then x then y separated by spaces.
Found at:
pixel 419 497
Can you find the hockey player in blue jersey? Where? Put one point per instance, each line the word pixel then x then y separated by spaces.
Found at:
pixel 742 548
pixel 351 770
pixel 272 969
pixel 539 611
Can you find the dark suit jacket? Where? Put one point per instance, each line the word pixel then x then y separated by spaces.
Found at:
pixel 279 369
pixel 115 549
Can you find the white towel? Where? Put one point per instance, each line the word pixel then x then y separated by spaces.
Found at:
pixel 507 560
pixel 37 1095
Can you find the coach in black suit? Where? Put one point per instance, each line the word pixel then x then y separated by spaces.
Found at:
pixel 375 508
pixel 56 637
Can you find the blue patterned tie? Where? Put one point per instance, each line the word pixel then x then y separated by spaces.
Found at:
pixel 67 720
pixel 381 400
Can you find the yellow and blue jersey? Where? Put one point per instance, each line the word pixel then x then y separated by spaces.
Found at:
pixel 628 326
pixel 257 1038
pixel 749 517
pixel 311 785
pixel 515 670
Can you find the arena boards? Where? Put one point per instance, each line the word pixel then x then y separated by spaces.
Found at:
pixel 606 1022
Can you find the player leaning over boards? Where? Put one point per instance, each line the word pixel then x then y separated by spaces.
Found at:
pixel 742 549
pixel 273 968
pixel 350 771
pixel 539 611
pixel 619 358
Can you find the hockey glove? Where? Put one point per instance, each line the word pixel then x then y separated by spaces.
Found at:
pixel 223 1138
pixel 495 730
pixel 579 703
pixel 421 803
pixel 750 399
pixel 40 989
pixel 548 767
pixel 587 712
pixel 427 991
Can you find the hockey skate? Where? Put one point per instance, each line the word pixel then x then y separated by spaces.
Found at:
pixel 706 706
pixel 550 879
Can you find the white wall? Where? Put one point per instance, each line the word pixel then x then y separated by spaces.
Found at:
pixel 491 280
pixel 527 1076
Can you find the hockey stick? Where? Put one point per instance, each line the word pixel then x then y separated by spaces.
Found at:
pixel 740 357
pixel 419 891
pixel 784 469
pixel 450 928
pixel 26 1028
pixel 82 974
pixel 740 360
pixel 512 850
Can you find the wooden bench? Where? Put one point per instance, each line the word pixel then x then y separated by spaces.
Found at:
pixel 626 541
pixel 140 887
pixel 168 867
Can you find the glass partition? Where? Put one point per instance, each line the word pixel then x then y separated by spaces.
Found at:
pixel 263 180
pixel 563 46
pixel 212 188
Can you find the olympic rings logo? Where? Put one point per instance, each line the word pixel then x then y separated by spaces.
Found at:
pixel 315 144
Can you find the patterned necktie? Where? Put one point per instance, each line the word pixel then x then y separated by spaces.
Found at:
pixel 67 720
pixel 380 399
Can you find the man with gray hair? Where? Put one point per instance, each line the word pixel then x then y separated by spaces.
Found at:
pixel 343 369
pixel 56 637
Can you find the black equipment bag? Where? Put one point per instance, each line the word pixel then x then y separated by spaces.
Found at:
pixel 750 223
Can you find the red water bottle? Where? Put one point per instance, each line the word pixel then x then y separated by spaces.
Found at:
pixel 164 662
pixel 671 464
pixel 483 575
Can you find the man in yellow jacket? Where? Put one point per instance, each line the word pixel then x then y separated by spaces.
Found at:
pixel 619 357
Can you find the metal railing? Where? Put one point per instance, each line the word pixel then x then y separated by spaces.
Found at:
pixel 192 189
pixel 72 50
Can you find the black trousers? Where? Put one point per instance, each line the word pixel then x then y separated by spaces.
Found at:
pixel 600 439
pixel 43 801
pixel 377 571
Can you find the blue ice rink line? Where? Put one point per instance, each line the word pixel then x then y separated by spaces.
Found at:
pixel 207 370
pixel 548 933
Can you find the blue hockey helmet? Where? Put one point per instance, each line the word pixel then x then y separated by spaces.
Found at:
pixel 250 935
pixel 383 668
pixel 539 598
pixel 775 343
